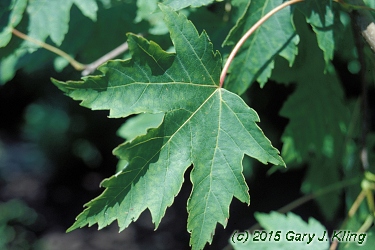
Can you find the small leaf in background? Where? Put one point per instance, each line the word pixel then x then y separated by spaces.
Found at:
pixel 14 13
pixel 255 59
pixel 369 3
pixel 324 18
pixel 88 8
pixel 204 126
pixel 148 10
pixel 137 126
pixel 239 9
pixel 51 18
pixel 8 64
pixel 180 4
pixel 289 226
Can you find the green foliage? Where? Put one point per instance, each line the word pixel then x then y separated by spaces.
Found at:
pixel 138 125
pixel 51 18
pixel 288 226
pixel 186 120
pixel 318 140
pixel 256 60
pixel 180 4
pixel 325 21
pixel 203 125
pixel 15 11
pixel 15 217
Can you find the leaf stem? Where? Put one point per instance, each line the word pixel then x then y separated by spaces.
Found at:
pixel 248 34
pixel 71 60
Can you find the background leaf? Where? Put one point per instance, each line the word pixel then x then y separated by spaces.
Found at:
pixel 320 138
pixel 14 11
pixel 275 221
pixel 136 126
pixel 139 125
pixel 255 60
pixel 51 18
pixel 89 47
pixel 324 18
pixel 148 10
pixel 180 4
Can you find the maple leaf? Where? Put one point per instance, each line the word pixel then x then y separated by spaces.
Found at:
pixel 255 60
pixel 204 125
pixel 51 18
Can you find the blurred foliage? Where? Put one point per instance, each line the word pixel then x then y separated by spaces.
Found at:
pixel 16 221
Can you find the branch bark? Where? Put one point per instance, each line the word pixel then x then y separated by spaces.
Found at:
pixel 366 23
pixel 90 68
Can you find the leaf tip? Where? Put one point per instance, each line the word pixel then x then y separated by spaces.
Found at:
pixel 164 7
pixel 59 84
pixel 72 228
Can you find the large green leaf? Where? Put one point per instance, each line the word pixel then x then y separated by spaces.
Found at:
pixel 204 126
pixel 255 60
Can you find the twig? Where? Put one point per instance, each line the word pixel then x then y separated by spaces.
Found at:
pixel 89 68
pixel 85 68
pixel 366 23
pixel 334 245
pixel 369 219
pixel 74 63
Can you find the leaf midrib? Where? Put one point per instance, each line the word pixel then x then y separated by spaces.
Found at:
pixel 162 147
